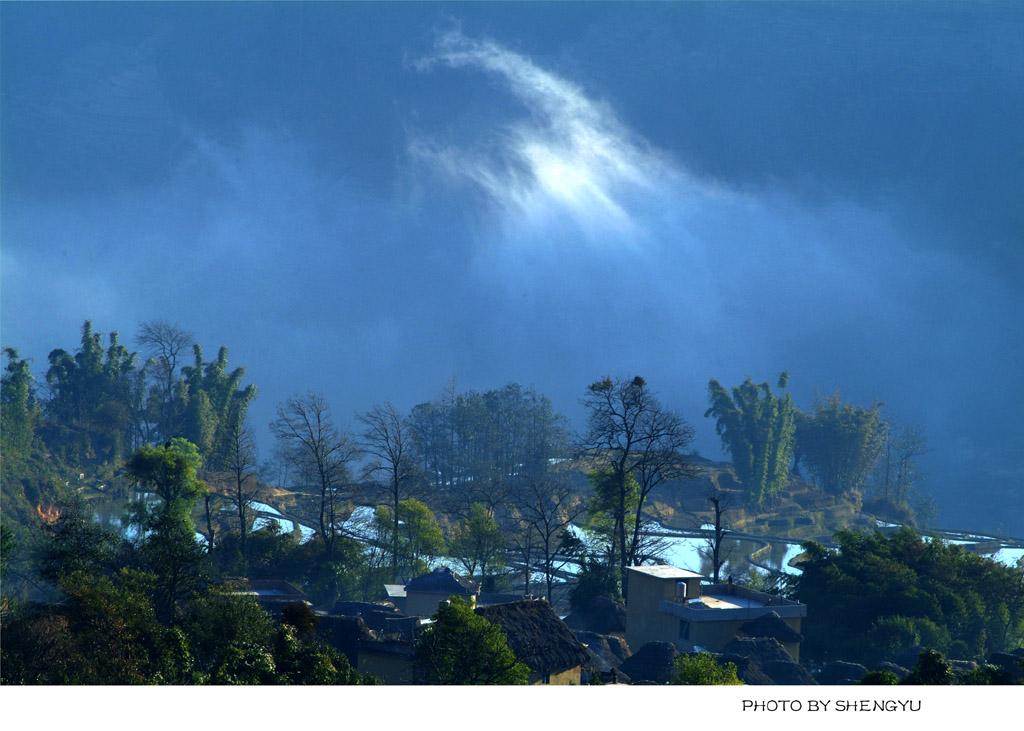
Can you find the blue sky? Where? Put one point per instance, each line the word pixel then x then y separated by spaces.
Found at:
pixel 369 199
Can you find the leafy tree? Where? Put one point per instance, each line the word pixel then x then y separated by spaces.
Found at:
pixel 477 542
pixel 757 429
pixel 879 677
pixel 840 442
pixel 311 662
pixel 19 412
pixel 632 437
pixel 214 399
pixel 170 472
pixel 419 536
pixel 989 674
pixel 97 397
pixel 244 664
pixel 169 546
pixel 896 478
pixel 75 543
pixel 477 447
pixel 104 632
pixel 931 669
pixel 608 503
pixel 218 618
pixel 701 668
pixel 595 578
pixel 875 594
pixel 462 648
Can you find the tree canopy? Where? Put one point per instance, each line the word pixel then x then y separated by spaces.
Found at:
pixel 702 668
pixel 462 648
pixel 840 442
pixel 878 595
pixel 757 429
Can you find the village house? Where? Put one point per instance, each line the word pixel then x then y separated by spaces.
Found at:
pixel 421 596
pixel 540 640
pixel 667 604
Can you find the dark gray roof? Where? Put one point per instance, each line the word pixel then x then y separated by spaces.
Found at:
pixel 771 625
pixel 442 581
pixel 652 663
pixel 759 649
pixel 599 615
pixel 537 636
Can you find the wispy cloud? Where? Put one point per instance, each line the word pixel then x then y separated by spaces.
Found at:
pixel 612 252
pixel 568 157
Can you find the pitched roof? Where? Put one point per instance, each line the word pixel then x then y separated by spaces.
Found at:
pixel 442 581
pixel 771 625
pixel 536 635
pixel 598 614
pixel 654 663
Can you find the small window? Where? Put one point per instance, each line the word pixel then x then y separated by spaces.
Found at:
pixel 684 629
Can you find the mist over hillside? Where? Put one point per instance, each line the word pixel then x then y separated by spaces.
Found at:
pixel 371 200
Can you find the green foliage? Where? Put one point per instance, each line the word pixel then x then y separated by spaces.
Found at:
pixel 105 632
pixel 8 544
pixel 462 648
pixel 879 677
pixel 474 446
pixel 757 429
pixel 931 669
pixel 214 399
pixel 607 501
pixel 841 442
pixel 169 548
pixel 244 663
pixel 891 636
pixel 877 595
pixel 301 617
pixel 170 472
pixel 311 662
pixel 987 675
pixel 19 413
pixel 419 540
pixel 701 668
pixel 595 578
pixel 74 543
pixel 97 398
pixel 217 618
pixel 477 542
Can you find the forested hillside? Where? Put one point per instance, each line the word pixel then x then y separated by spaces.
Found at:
pixel 134 486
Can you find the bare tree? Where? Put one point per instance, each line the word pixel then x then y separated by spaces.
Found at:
pixel 241 460
pixel 388 441
pixel 546 510
pixel 714 532
pixel 897 473
pixel 320 450
pixel 164 343
pixel 631 434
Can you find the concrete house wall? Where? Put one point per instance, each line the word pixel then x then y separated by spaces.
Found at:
pixel 707 618
pixel 647 589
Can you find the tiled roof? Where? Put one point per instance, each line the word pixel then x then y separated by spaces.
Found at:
pixel 442 581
